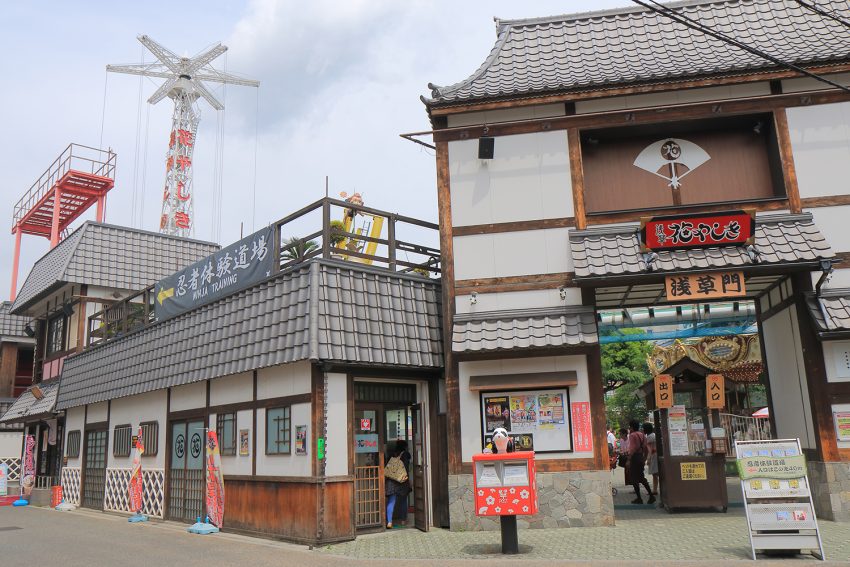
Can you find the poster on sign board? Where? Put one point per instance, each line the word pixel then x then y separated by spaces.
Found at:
pixel 536 420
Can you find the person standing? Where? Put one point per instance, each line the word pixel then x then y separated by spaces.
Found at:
pixel 396 492
pixel 652 464
pixel 638 452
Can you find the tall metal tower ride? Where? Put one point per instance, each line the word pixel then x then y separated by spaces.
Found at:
pixel 183 76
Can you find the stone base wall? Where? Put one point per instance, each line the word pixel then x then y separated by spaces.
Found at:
pixel 566 499
pixel 830 484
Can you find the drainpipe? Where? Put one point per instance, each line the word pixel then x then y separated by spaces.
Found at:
pixel 826 271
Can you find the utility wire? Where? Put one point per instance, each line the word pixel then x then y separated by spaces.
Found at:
pixel 825 13
pixel 663 10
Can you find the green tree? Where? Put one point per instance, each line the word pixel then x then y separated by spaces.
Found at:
pixel 297 248
pixel 624 370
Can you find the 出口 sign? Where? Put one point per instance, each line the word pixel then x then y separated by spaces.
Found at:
pixel 663 391
pixel 733 228
pixel 696 287
pixel 229 270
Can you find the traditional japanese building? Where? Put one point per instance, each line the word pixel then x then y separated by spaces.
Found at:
pixel 576 133
pixel 311 357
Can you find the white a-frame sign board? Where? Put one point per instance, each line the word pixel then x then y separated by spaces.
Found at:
pixel 777 498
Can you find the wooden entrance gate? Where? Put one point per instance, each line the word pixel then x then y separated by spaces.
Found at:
pixel 368 496
pixel 94 469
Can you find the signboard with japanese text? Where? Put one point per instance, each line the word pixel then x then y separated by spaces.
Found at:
pixel 366 443
pixel 772 466
pixel 541 419
pixel 663 391
pixel 715 391
pixel 4 479
pixel 231 269
pixel 582 427
pixel 704 230
pixel 696 287
pixel 693 471
pixel 215 481
pixel 842 425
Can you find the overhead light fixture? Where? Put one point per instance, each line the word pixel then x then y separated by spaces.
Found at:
pixel 486 147
pixel 563 293
pixel 36 392
pixel 757 128
pixel 649 259
pixel 473 298
pixel 68 309
pixel 28 330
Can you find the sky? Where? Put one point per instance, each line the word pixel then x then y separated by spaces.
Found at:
pixel 339 81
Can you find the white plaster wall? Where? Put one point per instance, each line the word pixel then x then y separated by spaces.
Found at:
pixel 840 278
pixel 470 402
pixel 134 410
pixel 284 380
pixel 518 300
pixel 232 389
pixel 836 356
pixel 807 84
pixel 820 141
pixel 832 223
pixel 683 96
pixel 528 179
pixel 11 444
pixel 285 465
pixel 97 412
pixel 237 464
pixel 506 115
pixel 337 443
pixel 74 421
pixel 512 254
pixel 189 396
pixel 788 384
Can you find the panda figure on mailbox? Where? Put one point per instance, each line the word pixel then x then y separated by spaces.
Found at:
pixel 500 443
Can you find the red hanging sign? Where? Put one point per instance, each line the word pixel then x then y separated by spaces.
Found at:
pixel 702 230
pixel 582 427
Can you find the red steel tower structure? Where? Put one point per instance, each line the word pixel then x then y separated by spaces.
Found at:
pixel 80 177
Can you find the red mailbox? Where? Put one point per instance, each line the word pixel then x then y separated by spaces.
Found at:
pixel 505 484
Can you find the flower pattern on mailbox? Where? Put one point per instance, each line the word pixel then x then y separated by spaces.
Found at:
pixel 513 499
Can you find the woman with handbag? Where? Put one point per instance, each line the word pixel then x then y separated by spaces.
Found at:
pixel 396 479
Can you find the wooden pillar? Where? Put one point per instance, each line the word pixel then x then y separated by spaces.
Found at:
pixel 786 157
pixel 444 203
pixel 819 400
pixel 577 176
pixel 596 393
pixel 8 369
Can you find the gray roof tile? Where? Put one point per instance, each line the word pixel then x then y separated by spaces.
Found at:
pixel 321 310
pixel 614 251
pixel 522 329
pixel 12 325
pixel 27 406
pixel 634 45
pixel 109 256
pixel 831 312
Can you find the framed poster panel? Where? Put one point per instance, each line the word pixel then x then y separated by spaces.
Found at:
pixel 537 420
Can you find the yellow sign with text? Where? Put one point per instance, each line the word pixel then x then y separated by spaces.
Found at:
pixel 693 471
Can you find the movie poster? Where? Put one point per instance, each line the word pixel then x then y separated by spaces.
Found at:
pixel 497 413
pixel 523 412
pixel 551 409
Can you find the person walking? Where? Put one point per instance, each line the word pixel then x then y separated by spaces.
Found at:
pixel 638 451
pixel 395 491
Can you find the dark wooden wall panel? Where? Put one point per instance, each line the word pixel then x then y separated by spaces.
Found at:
pixel 339 509
pixel 278 509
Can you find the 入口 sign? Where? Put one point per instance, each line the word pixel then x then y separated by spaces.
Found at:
pixel 695 287
pixel 715 391
pixel 693 471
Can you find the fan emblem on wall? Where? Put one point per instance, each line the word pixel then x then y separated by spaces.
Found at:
pixel 671 159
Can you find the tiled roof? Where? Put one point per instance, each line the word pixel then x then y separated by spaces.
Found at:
pixel 321 310
pixel 109 256
pixel 831 312
pixel 11 325
pixel 527 328
pixel 634 45
pixel 27 406
pixel 615 251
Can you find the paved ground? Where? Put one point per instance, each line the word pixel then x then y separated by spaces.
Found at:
pixel 37 536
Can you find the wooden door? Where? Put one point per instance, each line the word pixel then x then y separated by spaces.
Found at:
pixel 420 500
pixel 186 479
pixel 94 469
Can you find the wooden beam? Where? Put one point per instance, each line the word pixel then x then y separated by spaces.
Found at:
pixel 635 216
pixel 831 201
pixel 669 113
pixel 515 283
pixel 786 157
pixel 515 226
pixel 577 177
pixel 596 93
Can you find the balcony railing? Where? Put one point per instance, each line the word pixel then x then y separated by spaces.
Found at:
pixel 348 232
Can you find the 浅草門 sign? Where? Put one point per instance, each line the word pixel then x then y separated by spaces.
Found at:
pixel 696 287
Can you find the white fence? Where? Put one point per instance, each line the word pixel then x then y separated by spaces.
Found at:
pixel 744 428
pixel 117 496
pixel 14 464
pixel 71 485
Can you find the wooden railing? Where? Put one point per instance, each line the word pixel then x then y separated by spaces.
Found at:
pixel 364 244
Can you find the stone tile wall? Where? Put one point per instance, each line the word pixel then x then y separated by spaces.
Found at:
pixel 566 499
pixel 830 483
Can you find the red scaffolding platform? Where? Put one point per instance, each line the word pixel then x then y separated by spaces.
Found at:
pixel 80 177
